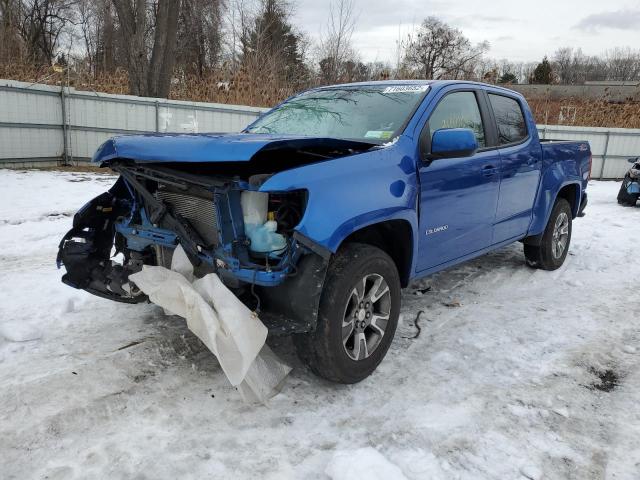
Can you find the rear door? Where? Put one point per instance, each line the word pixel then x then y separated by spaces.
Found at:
pixel 520 167
pixel 458 196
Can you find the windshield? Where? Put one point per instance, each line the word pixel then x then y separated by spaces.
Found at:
pixel 370 113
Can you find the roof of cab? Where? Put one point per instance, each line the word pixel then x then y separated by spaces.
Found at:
pixel 434 83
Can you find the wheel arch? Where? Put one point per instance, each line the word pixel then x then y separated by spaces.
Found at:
pixel 571 193
pixel 395 237
pixel 550 190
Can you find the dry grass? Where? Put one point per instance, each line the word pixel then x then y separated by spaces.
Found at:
pixel 266 89
pixel 240 88
pixel 589 113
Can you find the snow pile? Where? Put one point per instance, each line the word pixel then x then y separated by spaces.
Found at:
pixel 225 325
pixel 362 463
pixel 34 195
pixel 19 331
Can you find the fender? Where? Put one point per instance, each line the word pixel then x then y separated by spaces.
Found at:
pixel 554 178
pixel 373 218
pixel 344 188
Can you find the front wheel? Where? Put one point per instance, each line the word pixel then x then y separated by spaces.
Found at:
pixel 554 245
pixel 357 317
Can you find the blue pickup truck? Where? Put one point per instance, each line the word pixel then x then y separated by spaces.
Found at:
pixel 325 207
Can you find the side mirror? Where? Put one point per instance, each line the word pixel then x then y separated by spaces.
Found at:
pixel 453 143
pixel 633 160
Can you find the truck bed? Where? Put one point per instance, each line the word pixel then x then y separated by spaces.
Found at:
pixel 573 154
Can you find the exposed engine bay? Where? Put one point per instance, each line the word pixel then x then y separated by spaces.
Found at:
pixel 225 226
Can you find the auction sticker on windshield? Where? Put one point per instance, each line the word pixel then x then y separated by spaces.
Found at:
pixel 406 89
pixel 383 134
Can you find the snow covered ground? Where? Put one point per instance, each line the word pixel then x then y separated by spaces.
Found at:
pixel 504 382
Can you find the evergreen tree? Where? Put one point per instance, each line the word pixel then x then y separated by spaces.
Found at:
pixel 272 42
pixel 543 73
pixel 508 78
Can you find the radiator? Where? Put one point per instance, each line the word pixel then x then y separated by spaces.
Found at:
pixel 198 211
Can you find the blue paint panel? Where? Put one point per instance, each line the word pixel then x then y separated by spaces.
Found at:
pixel 520 172
pixel 453 140
pixel 458 201
pixel 201 148
pixel 458 197
pixel 347 194
pixel 563 164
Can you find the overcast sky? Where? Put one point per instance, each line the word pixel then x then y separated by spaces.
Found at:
pixel 517 30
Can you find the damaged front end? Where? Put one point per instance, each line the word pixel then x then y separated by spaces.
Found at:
pixel 224 224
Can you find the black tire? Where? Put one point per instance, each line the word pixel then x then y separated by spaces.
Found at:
pixel 324 350
pixel 624 197
pixel 548 256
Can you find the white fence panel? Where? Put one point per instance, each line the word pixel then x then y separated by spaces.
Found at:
pixel 44 125
pixel 31 144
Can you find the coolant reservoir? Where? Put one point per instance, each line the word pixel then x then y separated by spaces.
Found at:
pixel 264 239
pixel 261 232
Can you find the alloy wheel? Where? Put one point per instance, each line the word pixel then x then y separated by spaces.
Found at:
pixel 366 316
pixel 560 235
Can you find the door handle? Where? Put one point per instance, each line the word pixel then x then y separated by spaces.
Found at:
pixel 489 170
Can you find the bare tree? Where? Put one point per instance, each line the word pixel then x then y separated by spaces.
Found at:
pixel 503 71
pixel 149 34
pixel 563 65
pixel 164 48
pixel 482 69
pixel 336 52
pixel 622 64
pixel 572 66
pixel 89 16
pixel 10 41
pixel 380 71
pixel 108 43
pixel 133 24
pixel 437 51
pixel 98 31
pixel 42 24
pixel 235 22
pixel 200 35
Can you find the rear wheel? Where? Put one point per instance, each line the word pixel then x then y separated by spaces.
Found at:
pixel 554 245
pixel 624 197
pixel 357 317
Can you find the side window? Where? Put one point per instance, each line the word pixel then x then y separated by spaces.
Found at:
pixel 509 117
pixel 458 110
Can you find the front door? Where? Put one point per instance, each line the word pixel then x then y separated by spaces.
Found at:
pixel 458 196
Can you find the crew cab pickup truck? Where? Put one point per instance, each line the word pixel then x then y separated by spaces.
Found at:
pixel 324 208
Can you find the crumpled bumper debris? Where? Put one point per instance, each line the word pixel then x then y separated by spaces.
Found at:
pixel 225 325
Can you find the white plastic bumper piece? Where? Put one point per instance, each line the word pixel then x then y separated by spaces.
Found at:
pixel 234 334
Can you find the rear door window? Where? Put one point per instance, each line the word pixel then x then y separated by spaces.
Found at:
pixel 458 110
pixel 509 118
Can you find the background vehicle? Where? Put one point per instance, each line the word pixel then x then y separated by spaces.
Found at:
pixel 326 206
pixel 630 188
